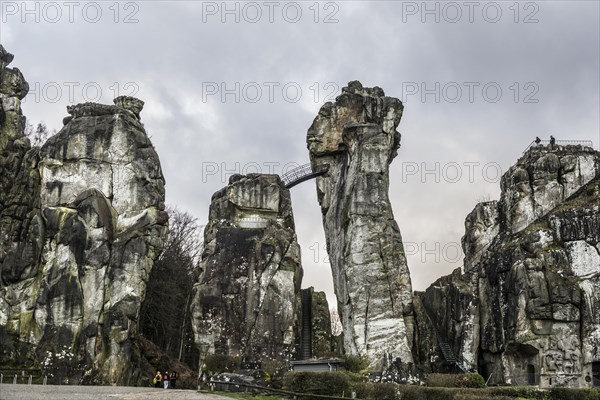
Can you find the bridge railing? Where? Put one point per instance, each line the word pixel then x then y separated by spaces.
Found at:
pixel 587 143
pixel 302 173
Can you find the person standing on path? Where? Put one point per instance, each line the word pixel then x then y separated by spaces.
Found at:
pixel 166 379
pixel 173 380
pixel 157 379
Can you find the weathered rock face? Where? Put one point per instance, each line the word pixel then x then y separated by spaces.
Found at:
pixel 356 138
pixel 15 161
pixel 13 88
pixel 323 344
pixel 247 299
pixel 543 179
pixel 529 309
pixel 81 227
pixel 315 339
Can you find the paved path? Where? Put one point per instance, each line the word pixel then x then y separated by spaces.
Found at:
pixel 51 392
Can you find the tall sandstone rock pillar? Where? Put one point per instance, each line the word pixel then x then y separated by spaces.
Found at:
pixel 356 138
pixel 247 297
pixel 81 222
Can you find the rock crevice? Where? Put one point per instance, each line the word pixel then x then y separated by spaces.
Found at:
pixel 356 138
pixel 530 277
pixel 82 221
pixel 246 300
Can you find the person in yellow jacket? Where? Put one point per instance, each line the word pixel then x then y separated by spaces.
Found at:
pixel 157 379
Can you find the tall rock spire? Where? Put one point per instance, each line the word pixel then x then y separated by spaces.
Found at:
pixel 356 138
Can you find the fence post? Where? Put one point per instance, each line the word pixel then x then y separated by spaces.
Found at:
pixel 15 380
pixel 1 378
pixel 45 379
pixel 29 380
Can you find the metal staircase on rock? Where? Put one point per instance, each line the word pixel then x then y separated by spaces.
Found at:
pixel 306 332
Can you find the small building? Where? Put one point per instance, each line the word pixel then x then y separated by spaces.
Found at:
pixel 329 365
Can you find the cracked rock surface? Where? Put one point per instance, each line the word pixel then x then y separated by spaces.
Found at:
pixel 247 298
pixel 82 222
pixel 528 298
pixel 356 138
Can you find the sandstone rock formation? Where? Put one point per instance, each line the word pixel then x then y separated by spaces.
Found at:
pixel 526 309
pixel 356 138
pixel 247 299
pixel 82 222
pixel 315 339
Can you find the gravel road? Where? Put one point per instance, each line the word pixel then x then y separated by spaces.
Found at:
pixel 51 392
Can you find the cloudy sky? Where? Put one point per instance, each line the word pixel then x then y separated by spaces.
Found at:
pixel 233 87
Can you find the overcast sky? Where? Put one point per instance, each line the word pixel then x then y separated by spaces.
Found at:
pixel 233 87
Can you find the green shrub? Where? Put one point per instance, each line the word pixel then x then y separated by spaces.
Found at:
pixel 480 396
pixel 355 363
pixel 410 392
pixel 527 392
pixel 385 391
pixel 376 391
pixel 364 390
pixel 441 380
pixel 579 394
pixel 217 363
pixel 470 380
pixel 324 383
pixel 276 370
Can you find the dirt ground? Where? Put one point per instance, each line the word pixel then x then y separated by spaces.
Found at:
pixel 51 392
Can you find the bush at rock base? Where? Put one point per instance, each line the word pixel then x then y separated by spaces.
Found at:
pixel 217 363
pixel 380 391
pixel 388 391
pixel 355 363
pixel 469 380
pixel 276 371
pixel 324 383
pixel 579 394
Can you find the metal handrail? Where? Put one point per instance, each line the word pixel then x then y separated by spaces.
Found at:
pixel 302 173
pixel 587 143
pixel 17 377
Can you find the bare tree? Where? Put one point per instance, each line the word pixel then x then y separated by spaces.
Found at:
pixel 165 317
pixel 39 135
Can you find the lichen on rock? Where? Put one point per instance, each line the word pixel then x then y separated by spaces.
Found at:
pixel 82 220
pixel 356 138
pixel 528 312
pixel 247 297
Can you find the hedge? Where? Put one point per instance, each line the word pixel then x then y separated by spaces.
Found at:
pixel 325 383
pixel 579 394
pixel 343 384
pixel 469 380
